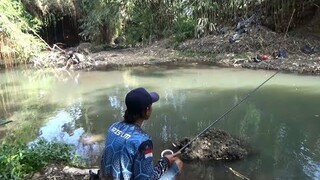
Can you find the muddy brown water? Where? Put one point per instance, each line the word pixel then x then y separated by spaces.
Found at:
pixel 281 121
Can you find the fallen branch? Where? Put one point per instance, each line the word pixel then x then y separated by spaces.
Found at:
pixel 55 46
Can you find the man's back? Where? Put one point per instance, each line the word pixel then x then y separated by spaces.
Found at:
pixel 121 151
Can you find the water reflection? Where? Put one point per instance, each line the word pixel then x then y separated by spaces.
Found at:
pixel 63 128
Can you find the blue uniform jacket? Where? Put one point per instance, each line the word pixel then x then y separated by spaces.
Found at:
pixel 128 154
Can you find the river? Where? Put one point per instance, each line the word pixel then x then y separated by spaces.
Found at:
pixel 281 121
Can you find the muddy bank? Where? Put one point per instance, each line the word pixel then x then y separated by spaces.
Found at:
pixel 106 60
pixel 214 144
pixel 155 55
pixel 290 65
pixel 115 59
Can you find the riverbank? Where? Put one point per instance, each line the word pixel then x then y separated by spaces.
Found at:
pixel 256 47
pixel 292 53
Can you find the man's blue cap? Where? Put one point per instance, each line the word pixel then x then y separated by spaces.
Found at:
pixel 137 100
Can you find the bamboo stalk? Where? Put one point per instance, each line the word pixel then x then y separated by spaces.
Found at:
pixel 294 10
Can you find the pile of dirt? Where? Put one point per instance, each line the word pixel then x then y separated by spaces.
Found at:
pixel 214 144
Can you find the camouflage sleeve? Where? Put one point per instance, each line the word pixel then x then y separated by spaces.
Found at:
pixel 143 164
pixel 161 166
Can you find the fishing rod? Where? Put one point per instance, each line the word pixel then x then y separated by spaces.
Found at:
pixel 226 113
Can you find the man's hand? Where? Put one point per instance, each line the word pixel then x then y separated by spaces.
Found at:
pixel 173 158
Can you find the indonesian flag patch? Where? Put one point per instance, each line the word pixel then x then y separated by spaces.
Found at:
pixel 148 153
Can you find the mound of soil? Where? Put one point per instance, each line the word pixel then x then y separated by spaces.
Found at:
pixel 214 144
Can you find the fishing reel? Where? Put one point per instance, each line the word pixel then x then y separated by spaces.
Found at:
pixel 166 152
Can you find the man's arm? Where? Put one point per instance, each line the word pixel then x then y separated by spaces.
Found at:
pixel 143 164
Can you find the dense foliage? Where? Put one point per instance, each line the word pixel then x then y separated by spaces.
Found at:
pixel 144 21
pixel 18 40
pixel 136 21
pixel 19 160
pixel 101 20
pixel 148 20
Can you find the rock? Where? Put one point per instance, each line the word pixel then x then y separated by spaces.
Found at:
pixel 78 171
pixel 307 49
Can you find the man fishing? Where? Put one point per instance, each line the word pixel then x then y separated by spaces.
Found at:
pixel 128 152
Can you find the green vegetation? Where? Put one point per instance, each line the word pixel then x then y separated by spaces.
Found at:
pixel 136 22
pixel 18 40
pixel 145 21
pixel 101 20
pixel 19 160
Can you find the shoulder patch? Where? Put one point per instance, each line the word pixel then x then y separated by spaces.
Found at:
pixel 146 149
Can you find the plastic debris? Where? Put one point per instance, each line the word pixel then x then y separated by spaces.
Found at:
pixel 242 27
pixel 257 59
pixel 307 49
pixel 264 57
pixel 282 54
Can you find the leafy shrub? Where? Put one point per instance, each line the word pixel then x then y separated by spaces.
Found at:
pixel 18 160
pixel 18 39
pixel 184 28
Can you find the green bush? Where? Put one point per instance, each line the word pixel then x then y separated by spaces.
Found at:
pixel 101 20
pixel 18 160
pixel 184 28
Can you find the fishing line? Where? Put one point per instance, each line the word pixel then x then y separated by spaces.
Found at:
pixel 226 113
